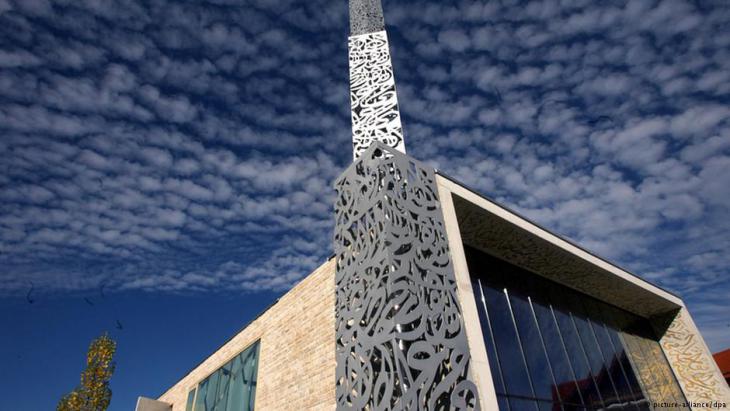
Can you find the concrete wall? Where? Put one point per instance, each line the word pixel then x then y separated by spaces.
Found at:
pixel 148 404
pixel 297 359
pixel 480 369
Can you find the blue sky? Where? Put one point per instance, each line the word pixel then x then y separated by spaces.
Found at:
pixel 166 167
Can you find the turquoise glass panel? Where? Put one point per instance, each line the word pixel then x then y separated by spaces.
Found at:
pixel 191 397
pixel 210 396
pixel 249 375
pixel 224 381
pixel 236 386
pixel 200 398
pixel 230 388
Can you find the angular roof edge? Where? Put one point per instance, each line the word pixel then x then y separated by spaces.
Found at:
pixel 561 237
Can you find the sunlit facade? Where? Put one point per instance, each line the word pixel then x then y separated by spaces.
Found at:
pixel 549 326
pixel 438 298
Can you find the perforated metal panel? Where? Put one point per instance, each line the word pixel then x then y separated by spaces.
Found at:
pixel 401 342
pixel 373 99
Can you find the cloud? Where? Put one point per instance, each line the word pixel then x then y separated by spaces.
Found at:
pixel 578 121
pixel 139 166
pixel 197 153
pixel 18 59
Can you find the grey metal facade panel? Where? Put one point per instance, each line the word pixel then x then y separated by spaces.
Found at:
pixel 366 16
pixel 400 338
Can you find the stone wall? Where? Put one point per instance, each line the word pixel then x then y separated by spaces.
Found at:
pixel 297 359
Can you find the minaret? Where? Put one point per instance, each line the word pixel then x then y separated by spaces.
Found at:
pixel 400 337
pixel 373 99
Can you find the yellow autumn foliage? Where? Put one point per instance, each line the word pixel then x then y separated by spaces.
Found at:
pixel 93 394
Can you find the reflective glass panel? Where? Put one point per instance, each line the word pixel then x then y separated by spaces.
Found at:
pixel 553 348
pixel 593 352
pixel 609 317
pixel 200 398
pixel 191 398
pixel 576 355
pixel 210 396
pixel 565 381
pixel 236 387
pixel 507 345
pixel 248 378
pixel 487 335
pixel 232 387
pixel 538 366
pixel 223 386
pixel 503 402
pixel 625 390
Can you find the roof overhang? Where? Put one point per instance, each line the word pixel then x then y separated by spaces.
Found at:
pixel 496 230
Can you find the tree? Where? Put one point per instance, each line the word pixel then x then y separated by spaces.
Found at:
pixel 94 393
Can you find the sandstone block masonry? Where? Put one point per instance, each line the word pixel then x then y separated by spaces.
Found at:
pixel 296 368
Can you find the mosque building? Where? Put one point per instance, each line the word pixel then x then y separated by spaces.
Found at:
pixel 439 298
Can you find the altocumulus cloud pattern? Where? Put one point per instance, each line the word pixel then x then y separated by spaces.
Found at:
pixel 178 147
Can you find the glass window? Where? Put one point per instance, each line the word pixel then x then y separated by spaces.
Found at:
pixel 235 390
pixel 593 351
pixel 507 345
pixel 626 389
pixel 224 381
pixel 487 335
pixel 538 366
pixel 191 398
pixel 553 348
pixel 610 316
pixel 210 396
pixel 565 380
pixel 249 365
pixel 200 398
pixel 230 388
pixel 577 357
